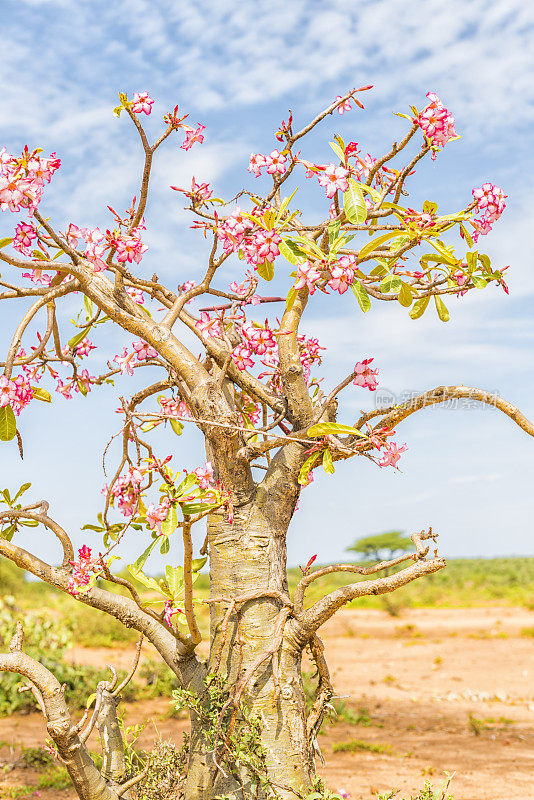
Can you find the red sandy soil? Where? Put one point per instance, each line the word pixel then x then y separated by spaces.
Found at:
pixel 419 677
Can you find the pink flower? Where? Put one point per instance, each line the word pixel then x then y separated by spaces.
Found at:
pixel 257 161
pixel 155 515
pixel 364 375
pixel 38 276
pixel 334 178
pixel 8 391
pixel 342 274
pixel 436 122
pixel 124 362
pixel 130 248
pixel 490 201
pixel 275 162
pixel 64 389
pixel 192 136
pixel 84 347
pixel 241 356
pixel 346 106
pixel 141 102
pixel 205 475
pixel 208 326
pixel 307 275
pixel 392 454
pixel 136 294
pixel 144 350
pixel 24 235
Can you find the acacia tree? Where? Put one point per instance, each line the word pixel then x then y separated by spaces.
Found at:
pixel 266 420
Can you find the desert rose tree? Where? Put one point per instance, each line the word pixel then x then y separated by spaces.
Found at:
pixel 267 421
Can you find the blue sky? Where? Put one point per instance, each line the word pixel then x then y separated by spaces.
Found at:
pixel 237 67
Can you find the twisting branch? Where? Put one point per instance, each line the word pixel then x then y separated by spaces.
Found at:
pixel 86 778
pixel 444 393
pixel 323 693
pixel 196 636
pixel 42 517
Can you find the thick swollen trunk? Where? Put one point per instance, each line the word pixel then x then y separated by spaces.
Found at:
pixel 250 555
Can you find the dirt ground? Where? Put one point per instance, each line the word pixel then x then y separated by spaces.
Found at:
pixel 446 691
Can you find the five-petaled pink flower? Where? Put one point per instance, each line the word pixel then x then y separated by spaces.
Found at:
pixel 192 135
pixel 334 178
pixel 364 375
pixel 141 102
pixel 275 162
pixel 204 475
pixel 342 107
pixel 8 391
pixel 257 161
pixel 307 275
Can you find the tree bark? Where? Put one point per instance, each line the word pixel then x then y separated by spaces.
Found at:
pixel 249 555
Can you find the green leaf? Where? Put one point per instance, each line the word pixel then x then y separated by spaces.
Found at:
pixel 292 252
pixel 88 305
pixel 164 546
pixel 405 297
pixel 374 243
pixel 174 578
pixel 325 428
pixel 467 236
pixel 485 261
pixel 479 282
pixel 7 533
pixel 170 523
pixel 29 523
pixel 306 468
pixel 290 299
pixel 177 426
pixel 419 307
pixel 328 464
pixel 265 270
pixel 449 258
pixel 41 394
pixel 391 284
pixel 23 488
pixel 138 565
pixel 78 338
pixel 354 204
pixel 198 563
pixel 188 482
pixel 5 242
pixel 441 308
pixel 471 259
pixel 147 426
pixel 362 296
pixel 338 151
pixel 8 424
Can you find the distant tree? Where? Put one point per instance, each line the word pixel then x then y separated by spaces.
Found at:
pixel 383 546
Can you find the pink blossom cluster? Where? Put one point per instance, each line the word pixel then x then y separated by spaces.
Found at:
pixel 22 179
pixel 82 379
pixel 257 340
pixel 174 408
pixel 341 275
pixel 274 163
pixel 437 123
pixel 82 569
pixel 127 245
pixel 16 393
pixel 489 205
pixel 141 351
pixel 364 375
pixel 205 476
pixel 257 247
pixel 198 193
pixel 126 490
pixel 309 352
pixel 246 288
pixel 156 514
pixel 390 452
